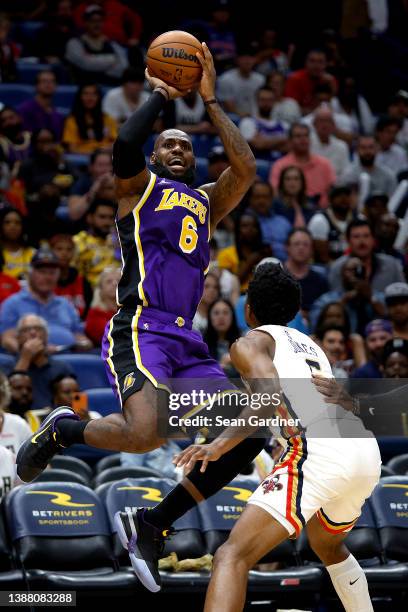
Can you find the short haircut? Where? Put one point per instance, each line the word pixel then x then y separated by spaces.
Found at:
pixel 357 223
pixel 133 75
pixel 96 154
pixel 296 230
pixel 101 202
pixel 55 381
pixel 273 295
pixel 385 121
pixel 41 72
pixel 298 124
pixel 41 321
pixel 324 329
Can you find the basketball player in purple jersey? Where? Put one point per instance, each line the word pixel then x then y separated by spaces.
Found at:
pixel 164 227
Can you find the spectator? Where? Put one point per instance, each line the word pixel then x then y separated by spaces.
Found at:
pixel 361 301
pixel 121 24
pixel 299 246
pixel 228 283
pixel 14 140
pixel 121 102
pixel 374 207
pixel 15 252
pixel 8 285
pixel 189 115
pixel 71 284
pixel 43 221
pixel 222 331
pixel 396 299
pixel 13 429
pixel 395 359
pixel 318 171
pixel 160 459
pixel 382 180
pixel 353 106
pixel 248 250
pixel 377 333
pixel 343 125
pixel 21 388
pixel 39 112
pixel 237 87
pixel 390 154
pixel 211 293
pixel 95 250
pixel 324 142
pixel 270 57
pixel 90 184
pixel 328 227
pixel 220 37
pixel 284 109
pixel 378 269
pixel 8 473
pixel 301 84
pixel 332 340
pixel 386 231
pixel 87 128
pixel 8 52
pixel 45 165
pixel 267 137
pixel 93 57
pixel 292 201
pixel 399 108
pixel 39 297
pixel 103 305
pixel 52 39
pixel 275 228
pixel 33 358
pixel 65 390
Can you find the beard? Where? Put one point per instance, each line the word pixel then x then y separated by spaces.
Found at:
pixel 188 177
pixel 367 161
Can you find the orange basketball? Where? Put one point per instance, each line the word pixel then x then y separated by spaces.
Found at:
pixel 172 58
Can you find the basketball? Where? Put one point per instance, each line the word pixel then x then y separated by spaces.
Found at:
pixel 171 57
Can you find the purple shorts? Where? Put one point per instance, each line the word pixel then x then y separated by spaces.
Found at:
pixel 161 347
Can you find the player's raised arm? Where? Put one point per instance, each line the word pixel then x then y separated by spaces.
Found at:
pixel 235 181
pixel 129 165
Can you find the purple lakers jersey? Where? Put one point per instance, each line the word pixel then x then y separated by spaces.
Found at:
pixel 165 249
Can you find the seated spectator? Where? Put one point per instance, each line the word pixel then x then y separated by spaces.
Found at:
pixel 21 388
pixel 237 87
pixel 52 39
pixel 399 108
pixel 13 429
pixel 291 200
pixel 378 270
pixel 71 284
pixel 270 57
pixel 267 137
pixel 395 359
pixel 342 124
pixel 95 250
pixel 15 253
pixel 318 171
pixel 65 390
pixel 324 142
pixel 390 154
pixel 350 103
pixel 87 128
pixel 275 228
pixel 248 250
pixel 8 52
pixel 221 332
pixel 8 285
pixel 90 184
pixel 328 227
pixel 65 328
pixel 14 140
pixel 103 305
pixel 284 109
pixel 121 102
pixel 375 206
pixel 382 180
pixel 8 473
pixel 360 299
pixel 299 246
pixel 332 340
pixel 386 231
pixel 45 165
pixel 189 115
pixel 39 112
pixel 220 36
pixel 42 220
pixel 211 293
pixel 122 24
pixel 228 283
pixel 377 333
pixel 396 300
pixel 160 459
pixel 92 56
pixel 301 84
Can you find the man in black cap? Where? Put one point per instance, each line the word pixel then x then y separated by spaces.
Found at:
pixel 396 299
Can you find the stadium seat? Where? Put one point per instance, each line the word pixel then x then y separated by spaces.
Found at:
pixel 386 471
pixel 6 362
pixel 119 472
pixel 64 98
pixel 72 464
pixel 89 369
pixel 27 71
pixel 78 160
pixel 390 506
pixel 102 400
pixel 108 462
pixel 13 94
pixel 60 475
pixel 399 464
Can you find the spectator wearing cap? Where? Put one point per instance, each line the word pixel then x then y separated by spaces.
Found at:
pixel 122 24
pixel 39 112
pixel 65 328
pixel 390 154
pixel 396 299
pixel 93 57
pixel 395 358
pixel 237 88
pixel 120 102
pixel 376 333
pixel 378 270
pixel 328 227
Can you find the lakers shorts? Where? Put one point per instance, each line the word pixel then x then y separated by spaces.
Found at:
pixel 329 477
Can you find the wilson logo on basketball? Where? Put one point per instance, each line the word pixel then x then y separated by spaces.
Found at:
pixel 178 54
pixel 272 484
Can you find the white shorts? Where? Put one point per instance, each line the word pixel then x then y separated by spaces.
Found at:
pixel 329 477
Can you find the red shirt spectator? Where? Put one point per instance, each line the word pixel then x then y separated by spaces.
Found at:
pixel 103 305
pixel 301 84
pixel 8 286
pixel 122 24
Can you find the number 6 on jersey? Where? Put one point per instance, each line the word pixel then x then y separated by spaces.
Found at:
pixel 188 236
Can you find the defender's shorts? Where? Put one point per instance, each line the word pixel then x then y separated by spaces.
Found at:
pixel 330 477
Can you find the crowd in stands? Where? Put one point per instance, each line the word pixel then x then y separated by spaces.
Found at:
pixel 330 201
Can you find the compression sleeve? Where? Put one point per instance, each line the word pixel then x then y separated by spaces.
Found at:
pixel 128 158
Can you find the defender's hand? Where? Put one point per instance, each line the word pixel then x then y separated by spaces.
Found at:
pixel 171 91
pixel 197 452
pixel 207 84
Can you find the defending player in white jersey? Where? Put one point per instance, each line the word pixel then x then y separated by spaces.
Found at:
pixel 320 483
